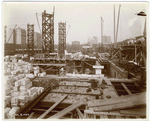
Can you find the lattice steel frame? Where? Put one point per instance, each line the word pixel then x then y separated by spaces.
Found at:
pixel 62 39
pixel 48 32
pixel 30 38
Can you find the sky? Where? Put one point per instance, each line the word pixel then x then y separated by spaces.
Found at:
pixel 84 18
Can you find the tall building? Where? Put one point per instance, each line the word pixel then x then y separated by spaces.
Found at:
pixel 11 36
pixel 106 39
pixel 75 47
pixel 37 40
pixel 93 40
pixel 21 37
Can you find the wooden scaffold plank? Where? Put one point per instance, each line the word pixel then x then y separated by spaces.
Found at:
pixel 53 106
pixel 138 100
pixel 126 88
pixel 79 113
pixel 66 110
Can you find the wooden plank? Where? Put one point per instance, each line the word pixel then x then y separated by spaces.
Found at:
pixel 100 113
pixel 126 88
pixel 121 80
pixel 122 105
pixel 31 115
pixel 117 114
pixel 53 106
pixel 66 110
pixel 75 93
pixel 79 113
pixel 141 111
pixel 35 64
pixel 43 110
pixel 120 99
pixel 74 86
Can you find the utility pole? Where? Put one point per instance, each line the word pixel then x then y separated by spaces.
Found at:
pixel 118 22
pixel 114 27
pixel 102 30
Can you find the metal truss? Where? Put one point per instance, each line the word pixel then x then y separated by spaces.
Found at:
pixel 30 36
pixel 62 39
pixel 48 32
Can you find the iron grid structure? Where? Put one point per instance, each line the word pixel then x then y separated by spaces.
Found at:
pixel 30 36
pixel 48 32
pixel 62 39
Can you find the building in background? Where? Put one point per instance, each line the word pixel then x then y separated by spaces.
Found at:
pixel 11 36
pixel 106 39
pixel 75 47
pixel 21 37
pixel 37 40
pixel 93 41
pixel 75 43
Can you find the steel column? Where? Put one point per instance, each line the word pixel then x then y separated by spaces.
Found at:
pixel 30 36
pixel 48 32
pixel 62 39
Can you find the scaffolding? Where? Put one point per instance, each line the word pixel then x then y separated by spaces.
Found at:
pixel 48 32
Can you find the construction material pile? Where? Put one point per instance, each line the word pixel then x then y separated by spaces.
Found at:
pixel 103 56
pixel 80 56
pixel 18 85
pixel 77 56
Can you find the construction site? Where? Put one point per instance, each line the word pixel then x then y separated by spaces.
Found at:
pixel 98 82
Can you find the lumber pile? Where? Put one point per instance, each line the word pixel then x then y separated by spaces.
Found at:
pixel 123 102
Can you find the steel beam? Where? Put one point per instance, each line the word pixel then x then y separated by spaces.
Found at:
pixel 62 39
pixel 30 38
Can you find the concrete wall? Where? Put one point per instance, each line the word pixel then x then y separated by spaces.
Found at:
pixel 116 72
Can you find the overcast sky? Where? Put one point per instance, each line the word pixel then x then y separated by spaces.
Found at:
pixel 83 17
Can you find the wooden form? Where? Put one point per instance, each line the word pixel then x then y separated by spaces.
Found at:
pixel 51 108
pixel 66 110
